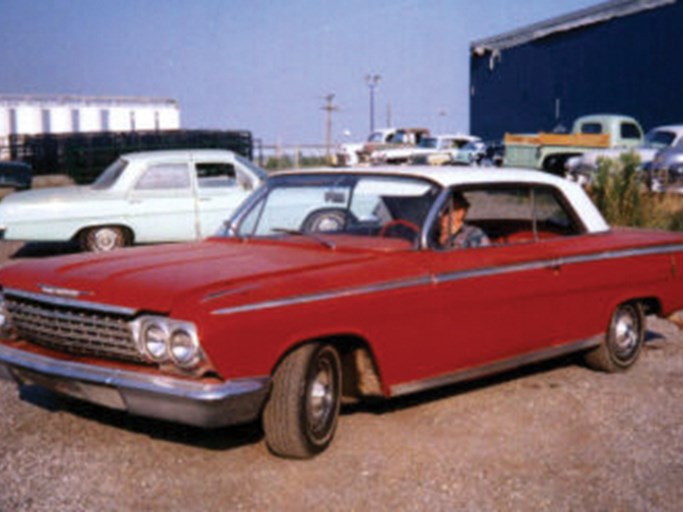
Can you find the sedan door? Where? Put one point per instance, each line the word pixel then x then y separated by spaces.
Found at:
pixel 162 204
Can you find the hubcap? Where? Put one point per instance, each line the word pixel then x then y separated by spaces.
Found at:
pixel 106 239
pixel 626 334
pixel 321 399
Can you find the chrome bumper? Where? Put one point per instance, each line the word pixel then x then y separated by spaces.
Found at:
pixel 167 398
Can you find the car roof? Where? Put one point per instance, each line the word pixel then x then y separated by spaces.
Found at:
pixel 446 176
pixel 676 128
pixel 177 154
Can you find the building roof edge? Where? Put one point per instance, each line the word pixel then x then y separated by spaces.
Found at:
pixel 590 15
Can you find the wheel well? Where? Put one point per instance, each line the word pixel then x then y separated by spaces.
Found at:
pixel 127 232
pixel 651 305
pixel 360 374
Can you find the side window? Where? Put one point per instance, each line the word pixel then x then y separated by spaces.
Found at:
pixel 593 128
pixel 510 214
pixel 630 131
pixel 165 177
pixel 221 174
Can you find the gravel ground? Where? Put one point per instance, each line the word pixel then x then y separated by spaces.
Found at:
pixel 551 437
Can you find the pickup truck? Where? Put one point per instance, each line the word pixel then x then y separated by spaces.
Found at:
pixel 550 151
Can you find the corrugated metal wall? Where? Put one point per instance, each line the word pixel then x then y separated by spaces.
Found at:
pixel 631 65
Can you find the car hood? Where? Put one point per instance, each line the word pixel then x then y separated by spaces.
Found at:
pixel 159 278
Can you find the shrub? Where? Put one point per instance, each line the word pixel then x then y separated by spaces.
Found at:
pixel 620 194
pixel 617 191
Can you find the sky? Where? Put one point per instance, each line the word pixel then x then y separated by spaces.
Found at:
pixel 264 65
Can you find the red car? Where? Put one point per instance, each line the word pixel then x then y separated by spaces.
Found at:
pixel 331 284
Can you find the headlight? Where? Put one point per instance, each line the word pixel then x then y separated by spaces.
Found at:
pixel 154 338
pixel 184 347
pixel 164 340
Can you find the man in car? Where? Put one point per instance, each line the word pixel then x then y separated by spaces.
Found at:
pixel 454 232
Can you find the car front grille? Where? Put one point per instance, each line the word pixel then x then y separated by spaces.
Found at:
pixel 73 327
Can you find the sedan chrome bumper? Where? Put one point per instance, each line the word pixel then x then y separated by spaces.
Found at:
pixel 179 400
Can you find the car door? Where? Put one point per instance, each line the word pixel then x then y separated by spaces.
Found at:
pixel 220 187
pixel 498 301
pixel 162 204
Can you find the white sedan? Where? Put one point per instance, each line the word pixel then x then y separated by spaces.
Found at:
pixel 149 197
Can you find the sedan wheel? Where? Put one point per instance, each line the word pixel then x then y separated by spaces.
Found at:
pixel 623 340
pixel 300 417
pixel 103 239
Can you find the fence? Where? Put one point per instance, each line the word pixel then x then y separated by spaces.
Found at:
pixel 275 157
pixel 84 156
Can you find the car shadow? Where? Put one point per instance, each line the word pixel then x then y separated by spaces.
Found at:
pixel 217 439
pixel 42 249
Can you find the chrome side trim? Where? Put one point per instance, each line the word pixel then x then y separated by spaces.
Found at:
pixel 68 302
pixel 449 277
pixel 163 397
pixel 317 297
pixel 493 368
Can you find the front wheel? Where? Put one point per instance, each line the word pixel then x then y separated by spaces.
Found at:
pixel 623 340
pixel 300 417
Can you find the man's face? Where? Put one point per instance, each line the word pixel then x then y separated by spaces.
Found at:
pixel 454 219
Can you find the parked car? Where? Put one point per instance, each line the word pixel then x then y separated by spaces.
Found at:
pixel 15 175
pixel 665 171
pixel 433 150
pixel 149 197
pixel 471 153
pixel 400 138
pixel 351 153
pixel 331 284
pixel 581 168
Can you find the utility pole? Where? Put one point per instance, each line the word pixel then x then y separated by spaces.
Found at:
pixel 329 107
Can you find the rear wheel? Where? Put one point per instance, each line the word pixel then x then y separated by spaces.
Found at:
pixel 301 414
pixel 623 340
pixel 103 239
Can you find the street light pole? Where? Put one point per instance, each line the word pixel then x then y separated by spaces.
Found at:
pixel 372 81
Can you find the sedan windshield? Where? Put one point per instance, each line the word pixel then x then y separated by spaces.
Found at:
pixel 333 203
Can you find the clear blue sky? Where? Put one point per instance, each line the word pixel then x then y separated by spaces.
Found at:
pixel 263 65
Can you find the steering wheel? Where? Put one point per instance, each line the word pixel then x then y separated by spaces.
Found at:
pixel 399 222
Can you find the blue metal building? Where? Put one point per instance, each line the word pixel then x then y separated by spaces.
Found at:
pixel 620 56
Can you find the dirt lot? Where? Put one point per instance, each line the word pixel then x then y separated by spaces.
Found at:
pixel 552 437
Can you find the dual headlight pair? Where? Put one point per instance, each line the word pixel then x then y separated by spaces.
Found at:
pixel 164 340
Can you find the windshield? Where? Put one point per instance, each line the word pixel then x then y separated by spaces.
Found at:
pixel 659 139
pixel 377 137
pixel 110 175
pixel 333 204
